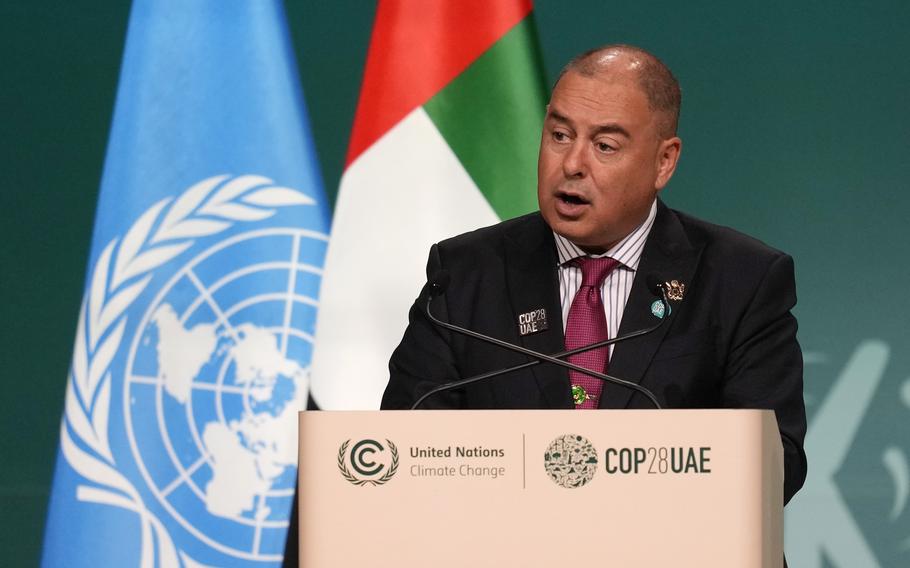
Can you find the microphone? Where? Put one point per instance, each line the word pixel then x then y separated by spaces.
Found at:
pixel 654 283
pixel 440 282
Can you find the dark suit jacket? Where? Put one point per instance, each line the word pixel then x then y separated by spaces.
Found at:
pixel 730 343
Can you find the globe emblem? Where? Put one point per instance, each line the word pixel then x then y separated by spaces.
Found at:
pixel 215 375
pixel 570 461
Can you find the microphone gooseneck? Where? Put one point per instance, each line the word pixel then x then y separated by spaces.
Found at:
pixel 438 285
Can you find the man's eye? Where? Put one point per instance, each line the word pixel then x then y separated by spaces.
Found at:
pixel 604 147
pixel 560 136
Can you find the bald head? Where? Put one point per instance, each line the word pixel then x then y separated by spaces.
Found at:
pixel 653 77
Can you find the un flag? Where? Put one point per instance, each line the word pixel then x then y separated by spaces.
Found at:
pixel 191 358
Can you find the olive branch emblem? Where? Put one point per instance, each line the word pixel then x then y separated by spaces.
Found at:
pixel 122 272
pixel 360 481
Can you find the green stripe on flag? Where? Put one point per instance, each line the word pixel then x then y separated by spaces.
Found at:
pixel 491 115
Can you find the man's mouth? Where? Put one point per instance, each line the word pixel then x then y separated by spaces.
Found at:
pixel 571 198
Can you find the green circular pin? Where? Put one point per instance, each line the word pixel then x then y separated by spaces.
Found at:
pixel 657 308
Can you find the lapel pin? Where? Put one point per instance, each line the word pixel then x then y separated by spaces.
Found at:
pixel 657 308
pixel 533 322
pixel 675 290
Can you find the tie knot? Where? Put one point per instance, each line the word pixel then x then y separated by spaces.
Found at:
pixel 594 270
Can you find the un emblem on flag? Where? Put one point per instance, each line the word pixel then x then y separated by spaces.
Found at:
pixel 215 379
pixel 215 368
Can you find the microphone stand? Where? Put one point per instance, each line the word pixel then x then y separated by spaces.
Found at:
pixel 555 359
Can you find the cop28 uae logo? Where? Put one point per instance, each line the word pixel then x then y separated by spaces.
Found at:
pixel 570 461
pixel 371 462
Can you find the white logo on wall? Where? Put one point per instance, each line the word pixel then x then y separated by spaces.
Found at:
pixel 214 373
pixel 821 527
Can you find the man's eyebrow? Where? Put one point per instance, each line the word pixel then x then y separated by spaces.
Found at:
pixel 557 117
pixel 612 128
pixel 608 128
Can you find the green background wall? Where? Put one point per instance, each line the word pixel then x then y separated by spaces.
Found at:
pixel 795 129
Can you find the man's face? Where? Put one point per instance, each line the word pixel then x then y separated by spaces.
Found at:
pixel 602 160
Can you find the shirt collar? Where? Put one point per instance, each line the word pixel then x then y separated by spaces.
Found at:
pixel 627 251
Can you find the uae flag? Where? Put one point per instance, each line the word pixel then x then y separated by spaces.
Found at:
pixel 444 141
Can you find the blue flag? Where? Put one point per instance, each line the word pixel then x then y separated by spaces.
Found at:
pixel 191 359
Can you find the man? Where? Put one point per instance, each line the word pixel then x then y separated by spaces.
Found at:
pixel 582 266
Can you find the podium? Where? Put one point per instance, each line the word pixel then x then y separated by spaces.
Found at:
pixel 540 488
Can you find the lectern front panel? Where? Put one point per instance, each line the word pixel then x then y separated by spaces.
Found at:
pixel 540 488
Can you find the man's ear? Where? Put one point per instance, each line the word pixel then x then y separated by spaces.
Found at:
pixel 667 158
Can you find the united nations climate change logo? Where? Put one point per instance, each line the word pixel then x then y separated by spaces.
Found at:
pixel 371 462
pixel 570 461
pixel 215 372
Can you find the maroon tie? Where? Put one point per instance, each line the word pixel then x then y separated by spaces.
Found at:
pixel 587 324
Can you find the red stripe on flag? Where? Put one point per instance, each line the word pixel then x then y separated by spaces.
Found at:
pixel 417 48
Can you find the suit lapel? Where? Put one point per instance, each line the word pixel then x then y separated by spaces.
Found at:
pixel 532 280
pixel 668 255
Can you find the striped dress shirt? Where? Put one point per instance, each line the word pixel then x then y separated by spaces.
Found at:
pixel 618 284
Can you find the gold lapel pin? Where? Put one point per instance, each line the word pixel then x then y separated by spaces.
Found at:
pixel 675 290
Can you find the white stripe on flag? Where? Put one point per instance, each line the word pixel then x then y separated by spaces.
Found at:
pixel 403 194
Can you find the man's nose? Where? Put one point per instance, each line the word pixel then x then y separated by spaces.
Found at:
pixel 574 163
